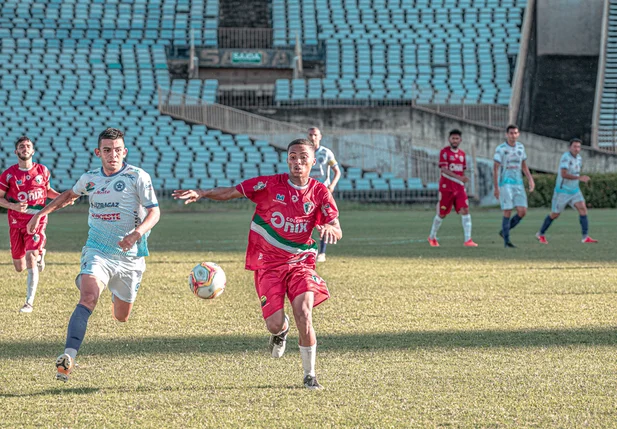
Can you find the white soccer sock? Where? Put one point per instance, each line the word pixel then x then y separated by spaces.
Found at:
pixel 466 219
pixel 71 352
pixel 436 224
pixel 32 283
pixel 308 359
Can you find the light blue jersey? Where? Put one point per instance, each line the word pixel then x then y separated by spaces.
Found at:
pixel 510 159
pixel 573 166
pixel 324 162
pixel 118 203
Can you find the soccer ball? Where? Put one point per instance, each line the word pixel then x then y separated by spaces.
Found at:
pixel 207 280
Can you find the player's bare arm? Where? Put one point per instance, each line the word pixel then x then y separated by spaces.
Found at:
pixel 447 172
pixel 532 184
pixel 566 175
pixel 330 232
pixel 18 207
pixel 335 179
pixel 52 193
pixel 218 194
pixel 151 219
pixel 64 199
pixel 496 179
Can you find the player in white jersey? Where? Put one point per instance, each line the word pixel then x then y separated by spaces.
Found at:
pixel 509 166
pixel 568 192
pixel 324 162
pixel 123 210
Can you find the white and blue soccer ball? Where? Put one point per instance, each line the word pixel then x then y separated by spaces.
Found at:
pixel 207 280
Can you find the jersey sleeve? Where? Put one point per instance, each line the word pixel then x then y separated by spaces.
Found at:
pixel 255 189
pixel 498 155
pixel 524 154
pixel 564 162
pixel 443 158
pixel 327 209
pixel 145 190
pixel 4 181
pixel 332 162
pixel 83 185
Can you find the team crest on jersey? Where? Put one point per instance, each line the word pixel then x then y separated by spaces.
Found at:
pixel 280 197
pixel 36 238
pixel 294 198
pixel 308 207
pixel 8 176
pixel 462 158
pixel 259 186
pixel 89 186
pixel 38 179
pixel 119 186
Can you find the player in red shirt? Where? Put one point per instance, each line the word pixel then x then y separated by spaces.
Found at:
pixel 452 163
pixel 24 189
pixel 281 251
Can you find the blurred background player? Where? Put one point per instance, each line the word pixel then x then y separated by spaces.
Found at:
pixel 24 189
pixel 452 163
pixel 324 162
pixel 123 210
pixel 568 192
pixel 510 163
pixel 281 251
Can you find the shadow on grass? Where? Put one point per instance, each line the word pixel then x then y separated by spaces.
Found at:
pixel 58 391
pixel 220 344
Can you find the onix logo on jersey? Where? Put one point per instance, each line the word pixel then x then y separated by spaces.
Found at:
pixel 456 167
pixel 289 224
pixel 33 195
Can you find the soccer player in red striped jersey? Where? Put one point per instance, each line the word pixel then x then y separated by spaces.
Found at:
pixel 452 163
pixel 24 189
pixel 281 251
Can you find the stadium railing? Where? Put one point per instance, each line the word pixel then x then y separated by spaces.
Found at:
pixel 244 38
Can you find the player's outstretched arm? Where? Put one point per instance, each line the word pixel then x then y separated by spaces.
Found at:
pixel 217 194
pixel 64 199
pixel 331 232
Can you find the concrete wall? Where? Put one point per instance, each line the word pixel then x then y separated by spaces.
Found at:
pixel 569 27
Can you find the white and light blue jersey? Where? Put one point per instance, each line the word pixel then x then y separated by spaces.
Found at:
pixel 573 166
pixel 324 162
pixel 510 159
pixel 118 203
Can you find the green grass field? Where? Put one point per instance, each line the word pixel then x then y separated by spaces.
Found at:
pixel 412 336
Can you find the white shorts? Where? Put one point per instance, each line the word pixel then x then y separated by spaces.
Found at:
pixel 511 196
pixel 121 274
pixel 562 200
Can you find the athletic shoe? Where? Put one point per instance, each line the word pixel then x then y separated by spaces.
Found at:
pixel 64 365
pixel 588 239
pixel 510 244
pixel 321 257
pixel 501 233
pixel 311 383
pixel 278 342
pixel 41 262
pixel 541 238
pixel 470 243
pixel 27 308
pixel 433 242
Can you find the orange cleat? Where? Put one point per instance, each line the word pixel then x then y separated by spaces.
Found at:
pixel 433 242
pixel 470 243
pixel 541 238
pixel 64 365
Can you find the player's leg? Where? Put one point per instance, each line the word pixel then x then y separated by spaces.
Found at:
pixel 124 285
pixel 18 253
pixel 557 206
pixel 520 202
pixel 321 255
pixel 270 288
pixel 461 205
pixel 444 206
pixel 307 290
pixel 40 262
pixel 507 205
pixel 582 213
pixel 32 280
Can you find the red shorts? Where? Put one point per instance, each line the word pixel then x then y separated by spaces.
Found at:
pixel 452 197
pixel 294 279
pixel 21 241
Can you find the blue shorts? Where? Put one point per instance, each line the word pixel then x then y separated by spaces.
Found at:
pixel 561 200
pixel 511 196
pixel 121 274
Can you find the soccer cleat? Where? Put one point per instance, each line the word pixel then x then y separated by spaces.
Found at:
pixel 541 238
pixel 470 243
pixel 27 308
pixel 278 342
pixel 588 239
pixel 501 233
pixel 433 242
pixel 64 365
pixel 41 261
pixel 321 257
pixel 510 244
pixel 311 383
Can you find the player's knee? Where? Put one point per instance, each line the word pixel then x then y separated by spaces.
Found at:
pixel 122 317
pixel 275 324
pixel 19 268
pixel 88 299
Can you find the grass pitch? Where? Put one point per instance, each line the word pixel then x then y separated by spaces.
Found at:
pixel 412 336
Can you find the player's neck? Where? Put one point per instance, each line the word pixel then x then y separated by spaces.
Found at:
pixel 25 165
pixel 299 181
pixel 511 144
pixel 454 149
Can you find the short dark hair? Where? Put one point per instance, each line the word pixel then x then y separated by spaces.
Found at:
pixel 511 126
pixel 576 140
pixel 111 134
pixel 23 139
pixel 456 132
pixel 301 142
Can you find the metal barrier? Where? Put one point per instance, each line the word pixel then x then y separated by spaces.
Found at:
pixel 244 38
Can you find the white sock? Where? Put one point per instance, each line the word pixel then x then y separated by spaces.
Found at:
pixel 71 352
pixel 308 359
pixel 436 224
pixel 466 219
pixel 32 283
